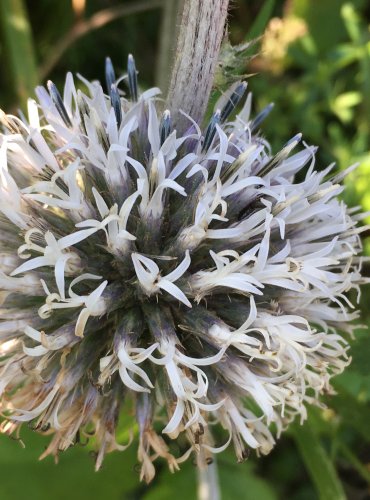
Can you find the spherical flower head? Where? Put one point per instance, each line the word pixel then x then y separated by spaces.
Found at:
pixel 197 278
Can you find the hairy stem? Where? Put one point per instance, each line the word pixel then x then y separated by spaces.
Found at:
pixel 198 45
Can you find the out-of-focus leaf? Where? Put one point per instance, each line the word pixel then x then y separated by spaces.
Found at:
pixel 23 476
pixel 356 463
pixel 352 21
pixel 347 100
pixel 343 104
pixel 360 351
pixel 317 15
pixel 240 481
pixel 318 464
pixel 261 20
pixel 351 412
pixel 179 486
pixel 344 55
pixel 19 45
pixel 355 381
pixel 235 481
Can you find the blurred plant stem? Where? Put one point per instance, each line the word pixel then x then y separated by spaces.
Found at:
pixel 355 462
pixel 84 26
pixel 317 462
pixel 208 485
pixel 261 20
pixel 198 45
pixel 20 52
pixel 167 42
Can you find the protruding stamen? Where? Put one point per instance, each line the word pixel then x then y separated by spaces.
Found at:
pixel 59 104
pixel 116 103
pixel 132 77
pixel 323 192
pixel 281 155
pixel 110 76
pixel 165 126
pixel 8 123
pixel 233 101
pixel 100 130
pixel 232 168
pixel 83 109
pixel 211 130
pixel 261 117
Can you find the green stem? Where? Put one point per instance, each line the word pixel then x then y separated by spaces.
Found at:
pixel 19 46
pixel 317 462
pixel 167 42
pixel 355 462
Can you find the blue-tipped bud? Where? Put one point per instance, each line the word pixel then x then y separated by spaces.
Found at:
pixel 261 117
pixel 294 140
pixel 233 101
pixel 165 127
pixel 58 102
pixel 116 103
pixel 211 130
pixel 132 77
pixel 110 76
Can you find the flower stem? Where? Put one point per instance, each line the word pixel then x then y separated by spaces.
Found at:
pixel 198 45
pixel 208 486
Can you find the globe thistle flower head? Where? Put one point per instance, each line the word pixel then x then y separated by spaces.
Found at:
pixel 197 276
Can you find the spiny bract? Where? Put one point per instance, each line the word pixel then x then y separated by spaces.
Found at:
pixel 192 275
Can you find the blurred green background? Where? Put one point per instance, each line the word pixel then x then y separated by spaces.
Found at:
pixel 314 63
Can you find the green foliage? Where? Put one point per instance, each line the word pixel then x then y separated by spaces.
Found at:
pixel 241 481
pixel 74 476
pixel 22 476
pixel 262 19
pixel 325 75
pixel 19 47
pixel 236 481
pixel 318 463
